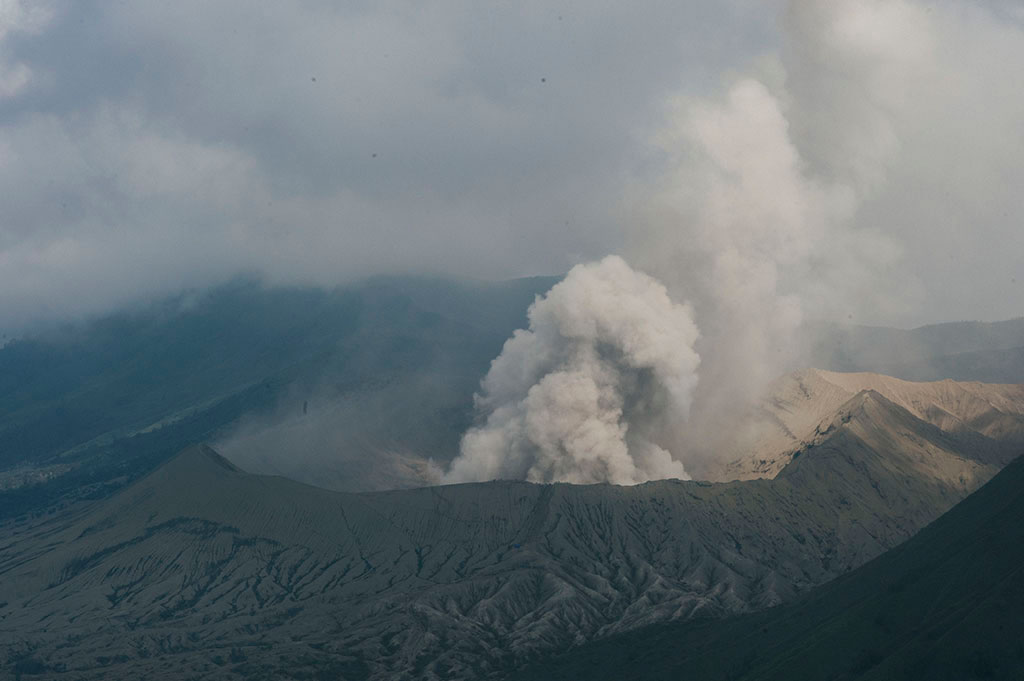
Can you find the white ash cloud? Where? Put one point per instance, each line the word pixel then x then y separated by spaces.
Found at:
pixel 591 390
pixel 758 215
pixel 809 188
pixel 740 226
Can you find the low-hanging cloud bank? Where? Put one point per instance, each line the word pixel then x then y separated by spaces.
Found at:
pixel 589 392
pixel 147 147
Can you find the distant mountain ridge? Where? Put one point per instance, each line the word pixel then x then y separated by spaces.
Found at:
pixel 799 405
pixel 852 348
pixel 202 570
pixel 987 366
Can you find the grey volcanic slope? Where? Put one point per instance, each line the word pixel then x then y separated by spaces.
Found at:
pixel 801 403
pixel 945 605
pixel 202 571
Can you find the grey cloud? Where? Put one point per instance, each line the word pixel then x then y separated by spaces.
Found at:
pixel 150 146
pixel 166 144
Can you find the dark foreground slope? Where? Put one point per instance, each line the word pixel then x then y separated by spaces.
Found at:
pixel 202 571
pixel 945 605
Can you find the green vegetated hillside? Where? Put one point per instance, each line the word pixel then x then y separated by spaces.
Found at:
pixel 946 604
pixel 201 570
pixel 86 407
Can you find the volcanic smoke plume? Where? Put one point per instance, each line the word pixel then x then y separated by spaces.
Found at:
pixel 589 392
pixel 797 192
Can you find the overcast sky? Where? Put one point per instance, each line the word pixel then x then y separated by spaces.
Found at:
pixel 151 146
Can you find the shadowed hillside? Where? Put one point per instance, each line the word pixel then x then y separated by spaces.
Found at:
pixel 944 605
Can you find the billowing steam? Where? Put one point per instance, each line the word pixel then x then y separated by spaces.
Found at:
pixel 589 392
pixel 754 217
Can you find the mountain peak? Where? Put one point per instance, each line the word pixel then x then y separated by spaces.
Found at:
pixel 869 403
pixel 206 455
pixel 194 464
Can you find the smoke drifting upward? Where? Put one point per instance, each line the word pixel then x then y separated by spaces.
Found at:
pixel 592 390
pixel 764 214
pixel 756 217
pixel 750 236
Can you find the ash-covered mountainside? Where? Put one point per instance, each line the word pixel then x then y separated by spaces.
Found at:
pixel 801 404
pixel 944 606
pixel 201 570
